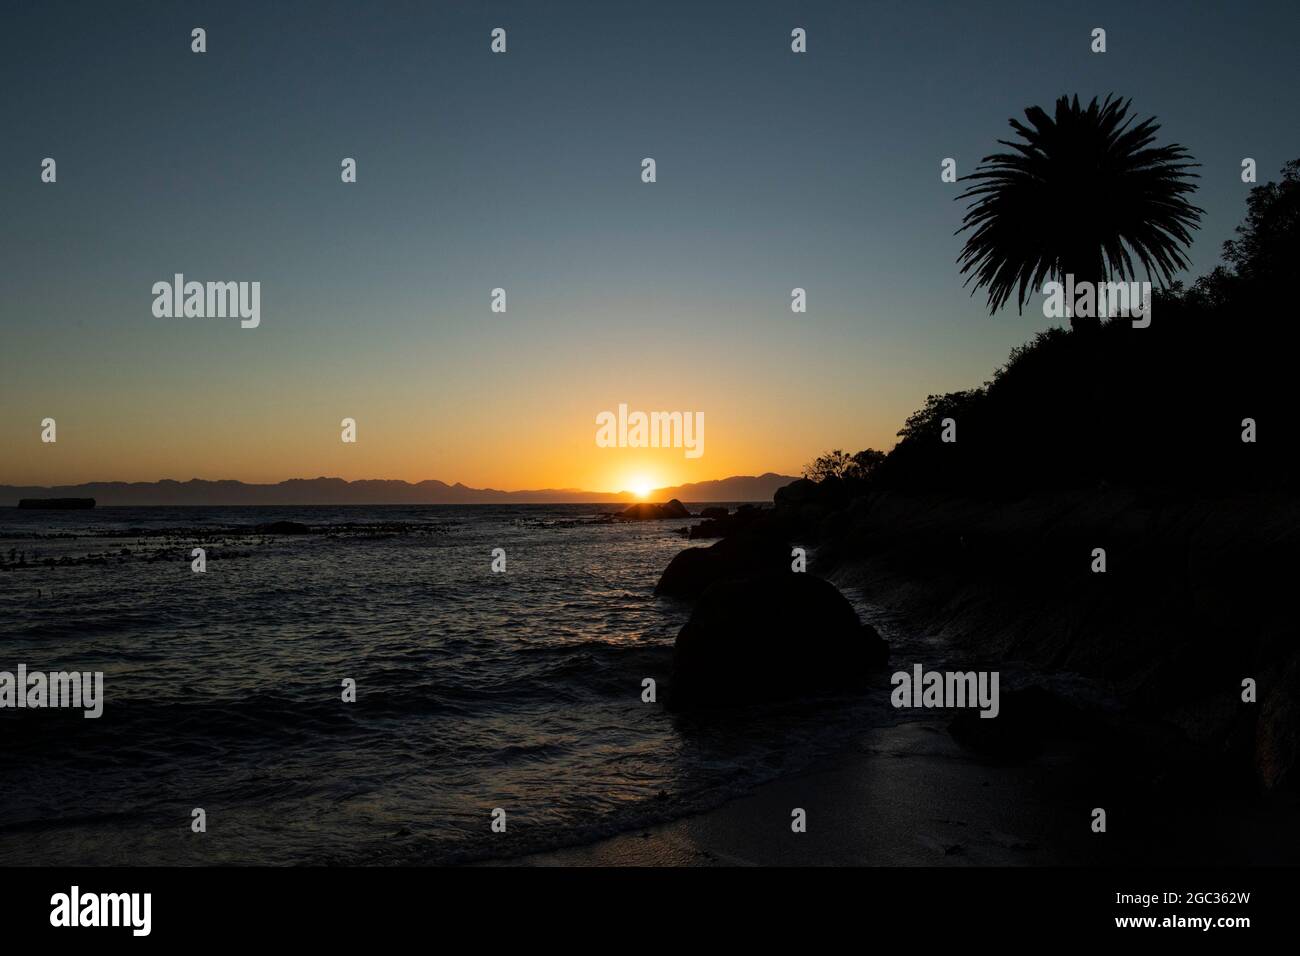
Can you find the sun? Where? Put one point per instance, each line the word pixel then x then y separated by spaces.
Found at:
pixel 641 487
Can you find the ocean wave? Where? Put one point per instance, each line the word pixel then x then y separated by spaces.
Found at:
pixel 474 690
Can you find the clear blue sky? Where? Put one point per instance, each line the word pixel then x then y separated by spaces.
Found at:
pixel 522 171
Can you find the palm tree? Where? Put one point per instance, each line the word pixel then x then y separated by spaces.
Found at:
pixel 1083 193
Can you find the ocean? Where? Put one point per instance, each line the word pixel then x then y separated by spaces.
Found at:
pixel 475 690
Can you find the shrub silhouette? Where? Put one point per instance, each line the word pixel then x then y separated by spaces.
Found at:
pixel 840 464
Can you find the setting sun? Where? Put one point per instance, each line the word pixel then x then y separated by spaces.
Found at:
pixel 641 487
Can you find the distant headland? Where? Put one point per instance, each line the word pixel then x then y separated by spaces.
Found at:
pixel 57 504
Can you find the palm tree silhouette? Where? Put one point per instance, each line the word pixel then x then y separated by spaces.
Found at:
pixel 1082 194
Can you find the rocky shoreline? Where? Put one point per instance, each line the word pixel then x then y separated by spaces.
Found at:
pixel 1192 603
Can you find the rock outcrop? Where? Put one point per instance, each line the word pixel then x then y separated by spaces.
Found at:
pixel 770 637
pixel 646 511
pixel 694 570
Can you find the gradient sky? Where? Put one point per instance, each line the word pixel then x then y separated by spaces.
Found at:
pixel 523 171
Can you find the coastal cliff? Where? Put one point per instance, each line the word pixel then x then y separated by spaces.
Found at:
pixel 1194 598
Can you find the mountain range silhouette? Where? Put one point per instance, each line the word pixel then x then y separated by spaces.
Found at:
pixel 337 491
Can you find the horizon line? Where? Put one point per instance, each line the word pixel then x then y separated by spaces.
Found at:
pixel 334 479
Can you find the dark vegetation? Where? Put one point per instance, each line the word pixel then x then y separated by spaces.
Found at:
pixel 1128 439
pixel 1158 408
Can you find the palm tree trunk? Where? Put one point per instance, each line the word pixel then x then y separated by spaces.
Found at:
pixel 1084 275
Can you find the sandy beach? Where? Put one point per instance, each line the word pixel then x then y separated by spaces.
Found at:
pixel 912 796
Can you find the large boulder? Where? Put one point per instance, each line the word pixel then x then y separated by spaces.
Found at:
pixel 694 570
pixel 770 637
pixel 711 528
pixel 718 523
pixel 798 492
pixel 805 505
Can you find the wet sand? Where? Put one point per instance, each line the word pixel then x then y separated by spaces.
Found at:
pixel 912 796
